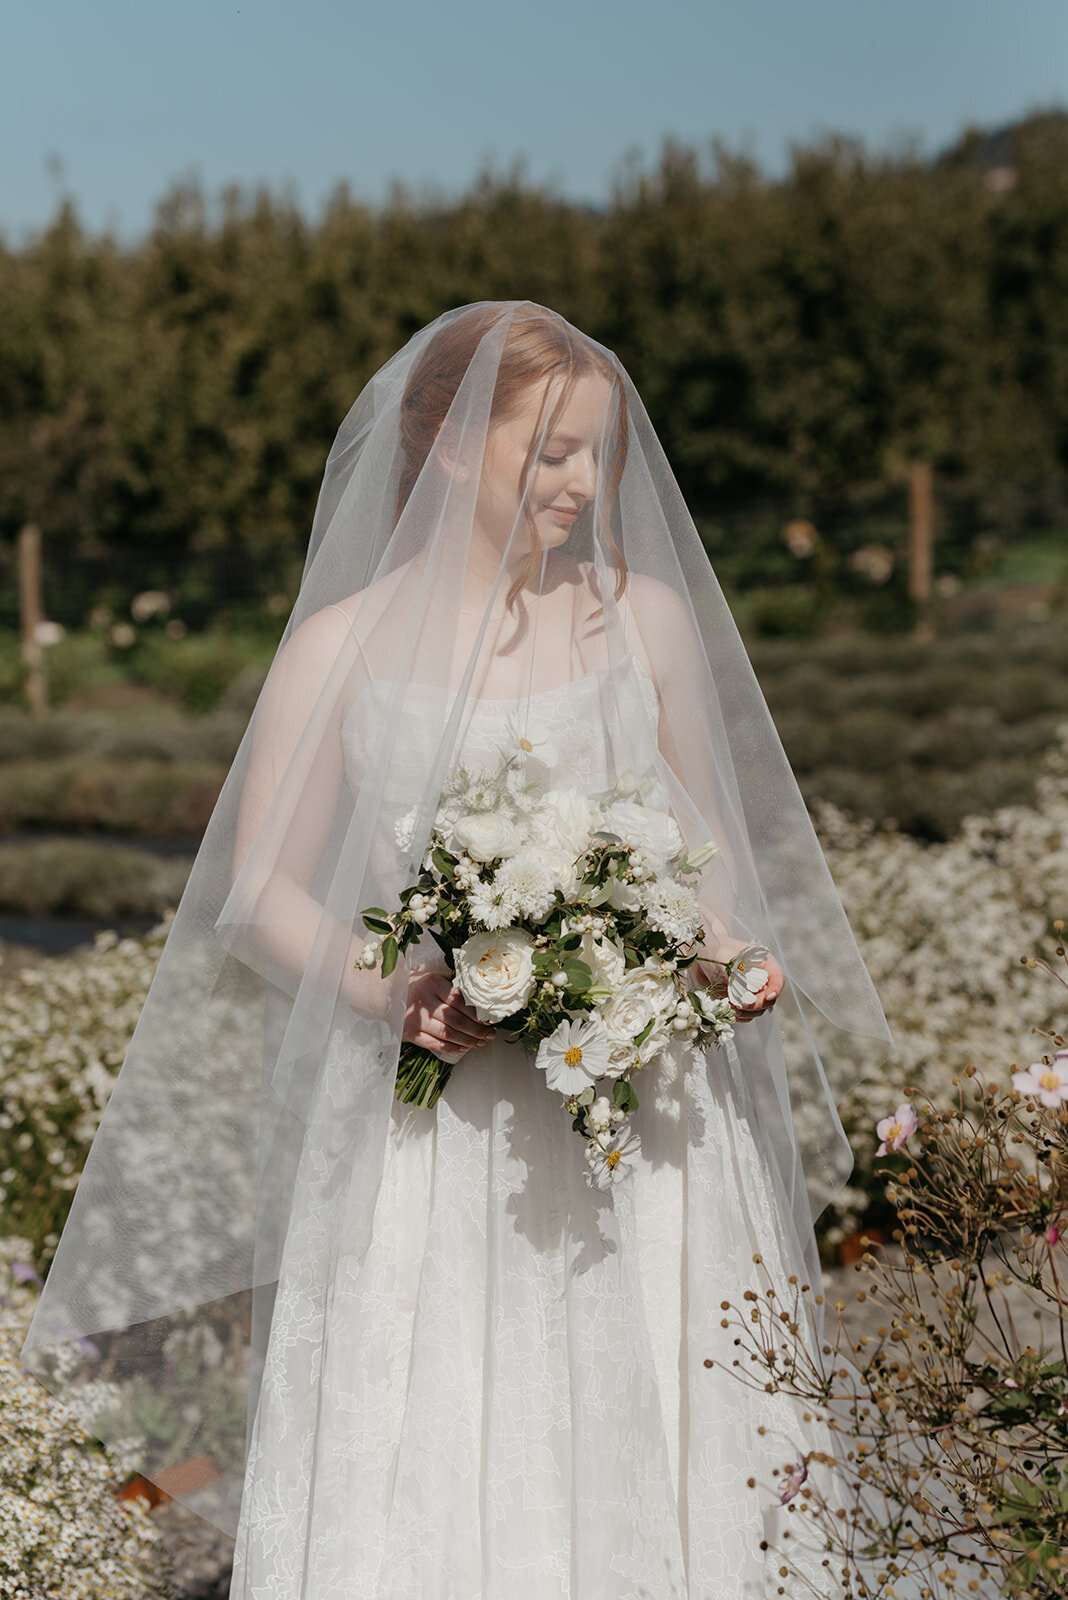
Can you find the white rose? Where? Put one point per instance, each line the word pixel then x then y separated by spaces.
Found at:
pixel 562 867
pixel 641 998
pixel 605 959
pixel 495 973
pixel 564 819
pixel 487 835
pixel 653 832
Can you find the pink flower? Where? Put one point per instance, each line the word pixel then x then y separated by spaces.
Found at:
pixel 790 1486
pixel 895 1130
pixel 1047 1080
pixel 1053 1233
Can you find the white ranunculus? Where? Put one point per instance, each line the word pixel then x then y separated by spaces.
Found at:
pixel 641 998
pixel 564 819
pixel 562 867
pixel 655 833
pixel 495 973
pixel 486 835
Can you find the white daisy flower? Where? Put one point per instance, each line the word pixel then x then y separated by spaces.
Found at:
pixel 612 1160
pixel 530 740
pixel 747 976
pixel 575 1054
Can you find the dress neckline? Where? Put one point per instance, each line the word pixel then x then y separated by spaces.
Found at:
pixel 628 660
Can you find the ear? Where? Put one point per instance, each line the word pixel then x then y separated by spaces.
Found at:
pixel 447 453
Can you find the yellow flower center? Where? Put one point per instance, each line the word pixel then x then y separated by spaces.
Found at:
pixel 525 744
pixel 612 1158
pixel 573 1055
pixel 894 1130
pixel 1050 1080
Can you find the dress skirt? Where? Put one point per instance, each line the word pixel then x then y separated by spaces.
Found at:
pixel 505 1395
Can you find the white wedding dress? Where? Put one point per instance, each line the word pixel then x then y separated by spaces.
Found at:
pixel 506 1398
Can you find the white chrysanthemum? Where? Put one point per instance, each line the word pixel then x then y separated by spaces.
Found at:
pixel 672 909
pixel 492 905
pixel 529 882
pixel 574 1055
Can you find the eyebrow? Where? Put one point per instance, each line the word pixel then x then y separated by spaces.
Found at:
pixel 567 439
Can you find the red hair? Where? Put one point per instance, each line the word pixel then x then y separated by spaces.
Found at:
pixel 539 346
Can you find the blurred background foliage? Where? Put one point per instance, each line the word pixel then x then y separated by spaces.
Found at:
pixel 166 407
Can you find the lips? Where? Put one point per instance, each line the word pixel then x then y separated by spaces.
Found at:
pixel 570 512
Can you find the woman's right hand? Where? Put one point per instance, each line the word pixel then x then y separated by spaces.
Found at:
pixel 438 1017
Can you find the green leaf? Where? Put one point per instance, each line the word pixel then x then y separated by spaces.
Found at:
pixel 389 956
pixel 585 1097
pixel 375 911
pixel 445 863
pixel 623 1096
pixel 640 1038
pixel 377 924
pixel 579 975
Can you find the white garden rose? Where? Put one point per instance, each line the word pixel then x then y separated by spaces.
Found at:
pixel 564 819
pixel 654 833
pixel 604 957
pixel 486 835
pixel 641 998
pixel 495 973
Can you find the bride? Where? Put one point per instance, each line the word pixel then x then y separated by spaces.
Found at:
pixel 471 1372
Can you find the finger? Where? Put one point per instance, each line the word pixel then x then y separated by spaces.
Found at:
pixel 466 1021
pixel 458 1033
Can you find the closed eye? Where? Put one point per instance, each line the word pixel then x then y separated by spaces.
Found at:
pixel 554 461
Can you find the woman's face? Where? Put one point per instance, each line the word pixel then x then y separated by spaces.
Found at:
pixel 563 475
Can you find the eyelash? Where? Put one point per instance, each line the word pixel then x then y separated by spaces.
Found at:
pixel 554 461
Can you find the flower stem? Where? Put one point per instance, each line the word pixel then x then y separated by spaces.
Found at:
pixel 421 1076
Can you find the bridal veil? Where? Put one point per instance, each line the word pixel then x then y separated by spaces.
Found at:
pixel 165 1275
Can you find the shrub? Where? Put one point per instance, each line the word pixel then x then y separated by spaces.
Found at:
pixel 64 1534
pixel 146 797
pixel 77 878
pixel 950 1423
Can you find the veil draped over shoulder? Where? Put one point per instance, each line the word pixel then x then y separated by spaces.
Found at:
pixel 165 1277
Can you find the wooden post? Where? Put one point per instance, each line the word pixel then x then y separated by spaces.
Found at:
pixel 31 613
pixel 921 547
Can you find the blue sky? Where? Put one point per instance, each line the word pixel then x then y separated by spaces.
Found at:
pixel 112 101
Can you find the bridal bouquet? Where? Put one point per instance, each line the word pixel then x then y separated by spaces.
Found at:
pixel 569 923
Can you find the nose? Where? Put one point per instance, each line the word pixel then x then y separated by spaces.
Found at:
pixel 582 479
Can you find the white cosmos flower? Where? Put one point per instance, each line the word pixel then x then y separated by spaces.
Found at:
pixel 610 1161
pixel 530 739
pixel 574 1055
pixel 748 978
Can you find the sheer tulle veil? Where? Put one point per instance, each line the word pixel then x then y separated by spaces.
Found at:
pixel 165 1276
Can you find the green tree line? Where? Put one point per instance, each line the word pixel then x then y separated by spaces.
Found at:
pixel 791 338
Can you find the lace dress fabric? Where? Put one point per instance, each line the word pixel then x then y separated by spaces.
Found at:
pixel 504 1397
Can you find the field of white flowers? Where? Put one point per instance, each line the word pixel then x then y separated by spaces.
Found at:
pixel 943 928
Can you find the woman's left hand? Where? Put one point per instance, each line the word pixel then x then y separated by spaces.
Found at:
pixel 765 1000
